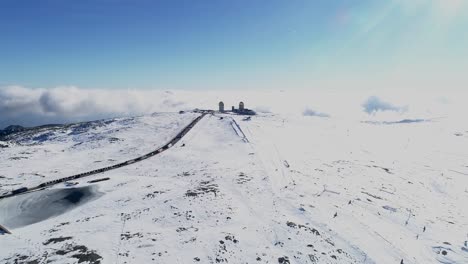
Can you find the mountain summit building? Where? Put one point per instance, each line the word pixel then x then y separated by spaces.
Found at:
pixel 241 111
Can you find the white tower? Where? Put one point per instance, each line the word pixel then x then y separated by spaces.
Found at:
pixel 221 107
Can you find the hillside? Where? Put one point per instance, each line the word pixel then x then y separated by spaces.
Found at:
pixel 276 189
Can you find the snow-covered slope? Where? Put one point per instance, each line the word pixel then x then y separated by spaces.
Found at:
pixel 44 154
pixel 295 190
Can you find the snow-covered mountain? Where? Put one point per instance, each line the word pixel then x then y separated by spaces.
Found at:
pixel 273 189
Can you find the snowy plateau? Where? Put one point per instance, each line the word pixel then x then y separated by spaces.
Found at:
pixel 272 189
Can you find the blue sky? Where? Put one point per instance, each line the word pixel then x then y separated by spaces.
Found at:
pixel 274 44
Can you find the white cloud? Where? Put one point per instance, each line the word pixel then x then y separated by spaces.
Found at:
pixel 374 104
pixel 310 112
pixel 31 107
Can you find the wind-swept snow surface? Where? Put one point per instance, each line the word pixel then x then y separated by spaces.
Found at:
pixel 45 154
pixel 285 190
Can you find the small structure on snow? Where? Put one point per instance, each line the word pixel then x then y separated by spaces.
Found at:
pixel 221 107
pixel 242 110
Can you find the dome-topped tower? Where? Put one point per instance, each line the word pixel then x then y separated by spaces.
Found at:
pixel 221 106
pixel 241 106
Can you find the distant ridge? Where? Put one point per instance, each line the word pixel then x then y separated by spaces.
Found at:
pixel 17 128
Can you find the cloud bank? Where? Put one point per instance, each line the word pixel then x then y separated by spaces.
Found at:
pixel 374 104
pixel 310 112
pixel 32 107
